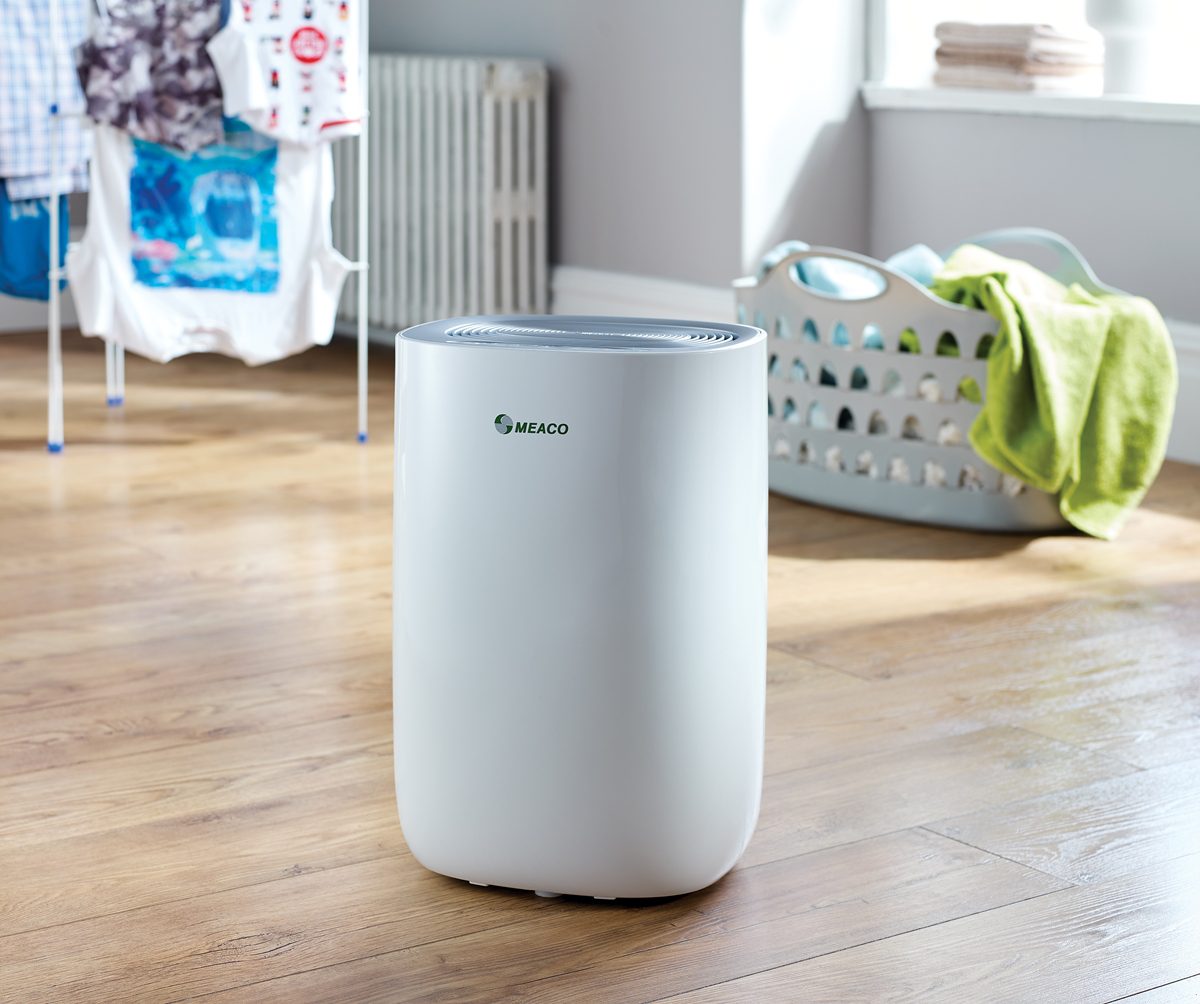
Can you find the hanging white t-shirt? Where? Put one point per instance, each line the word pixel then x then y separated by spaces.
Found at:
pixel 223 250
pixel 289 68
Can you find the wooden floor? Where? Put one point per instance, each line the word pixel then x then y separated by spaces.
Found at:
pixel 982 761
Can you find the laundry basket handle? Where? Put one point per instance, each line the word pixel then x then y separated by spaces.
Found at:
pixel 1071 266
pixel 783 256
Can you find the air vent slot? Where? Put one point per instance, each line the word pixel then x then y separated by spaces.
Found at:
pixel 593 333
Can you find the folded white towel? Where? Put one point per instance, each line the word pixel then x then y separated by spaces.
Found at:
pixel 1039 39
pixel 1019 59
pixel 1008 79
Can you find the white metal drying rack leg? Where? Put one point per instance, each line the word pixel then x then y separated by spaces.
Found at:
pixel 54 370
pixel 362 265
pixel 114 354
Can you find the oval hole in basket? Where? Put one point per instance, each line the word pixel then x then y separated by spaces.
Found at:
pixel 928 389
pixel 898 471
pixel 948 345
pixel 760 320
pixel 1010 486
pixel 910 341
pixel 817 417
pixel 833 459
pixel 828 377
pixel 790 412
pixel 773 365
pixel 933 474
pixel 968 390
pixel 864 464
pixel 877 426
pixel 949 434
pixel 872 338
pixel 799 371
pixel 804 454
pixel 846 420
pixel 841 337
pixel 770 408
pixel 741 313
pixel 782 448
pixel 810 330
pixel 782 328
pixel 911 428
pixel 858 379
pixel 984 348
pixel 969 479
pixel 893 386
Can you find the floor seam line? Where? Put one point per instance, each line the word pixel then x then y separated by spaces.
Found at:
pixel 869 941
pixel 1071 883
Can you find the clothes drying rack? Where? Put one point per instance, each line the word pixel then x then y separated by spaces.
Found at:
pixel 114 354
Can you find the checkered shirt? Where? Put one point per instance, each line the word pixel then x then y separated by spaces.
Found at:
pixel 28 52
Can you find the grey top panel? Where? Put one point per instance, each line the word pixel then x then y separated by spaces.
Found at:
pixel 603 334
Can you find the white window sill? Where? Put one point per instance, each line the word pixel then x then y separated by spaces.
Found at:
pixel 945 99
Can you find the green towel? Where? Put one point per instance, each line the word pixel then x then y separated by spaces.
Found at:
pixel 1080 388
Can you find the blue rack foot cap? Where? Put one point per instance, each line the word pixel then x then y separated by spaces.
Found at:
pixel 114 402
pixel 54 447
pixel 362 437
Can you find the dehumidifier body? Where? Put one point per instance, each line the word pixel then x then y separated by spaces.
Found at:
pixel 580 600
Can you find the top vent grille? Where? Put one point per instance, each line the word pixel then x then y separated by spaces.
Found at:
pixel 602 333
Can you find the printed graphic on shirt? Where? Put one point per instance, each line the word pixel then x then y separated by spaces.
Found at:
pixel 290 68
pixel 309 45
pixel 205 221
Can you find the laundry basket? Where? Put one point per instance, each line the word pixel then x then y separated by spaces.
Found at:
pixel 870 400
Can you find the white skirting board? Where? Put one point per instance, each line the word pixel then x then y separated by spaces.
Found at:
pixel 1185 431
pixel 575 290
pixel 30 315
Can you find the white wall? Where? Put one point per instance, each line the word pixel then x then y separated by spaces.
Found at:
pixel 1126 193
pixel 27 315
pixel 804 132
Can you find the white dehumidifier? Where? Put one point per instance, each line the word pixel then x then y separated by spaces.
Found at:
pixel 580 600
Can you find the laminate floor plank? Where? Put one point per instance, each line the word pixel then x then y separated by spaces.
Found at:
pixel 1094 832
pixel 1136 706
pixel 763 916
pixel 245 842
pixel 1178 992
pixel 35 685
pixel 1036 635
pixel 1084 944
pixel 104 727
pixel 1145 729
pixel 188 947
pixel 811 808
pixel 192 780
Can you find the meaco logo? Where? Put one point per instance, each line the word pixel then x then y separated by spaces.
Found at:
pixel 505 425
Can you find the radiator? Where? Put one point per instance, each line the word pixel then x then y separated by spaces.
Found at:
pixel 457 190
